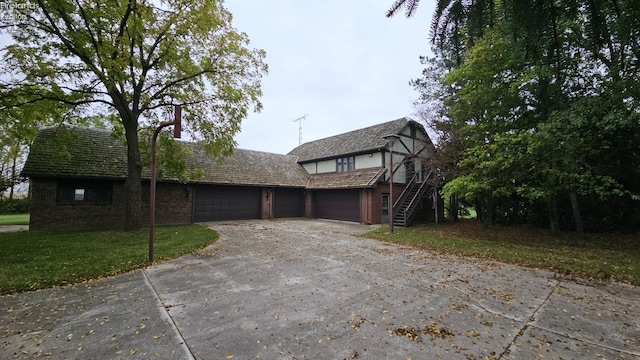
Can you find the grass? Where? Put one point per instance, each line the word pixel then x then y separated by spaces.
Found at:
pixel 35 260
pixel 19 219
pixel 592 256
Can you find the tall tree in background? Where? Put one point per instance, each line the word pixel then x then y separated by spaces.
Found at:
pixel 19 128
pixel 546 99
pixel 135 59
pixel 410 7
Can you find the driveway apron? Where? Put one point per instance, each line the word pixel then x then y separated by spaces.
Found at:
pixel 303 289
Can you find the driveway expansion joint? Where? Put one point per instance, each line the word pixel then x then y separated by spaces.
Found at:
pixel 531 319
pixel 163 309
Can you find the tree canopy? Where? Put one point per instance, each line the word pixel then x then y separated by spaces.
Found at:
pixel 539 106
pixel 131 61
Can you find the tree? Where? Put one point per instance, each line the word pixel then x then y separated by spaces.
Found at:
pixel 433 111
pixel 19 129
pixel 544 98
pixel 135 59
pixel 410 7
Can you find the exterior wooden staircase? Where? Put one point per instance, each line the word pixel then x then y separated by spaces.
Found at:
pixel 405 207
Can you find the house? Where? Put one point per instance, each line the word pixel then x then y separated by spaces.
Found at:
pixel 77 180
pixel 349 172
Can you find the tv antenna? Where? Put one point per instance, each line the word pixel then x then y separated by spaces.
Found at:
pixel 299 120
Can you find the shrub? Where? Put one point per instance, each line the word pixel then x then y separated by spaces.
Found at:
pixel 14 206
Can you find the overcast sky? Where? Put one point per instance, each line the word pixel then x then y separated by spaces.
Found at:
pixel 341 62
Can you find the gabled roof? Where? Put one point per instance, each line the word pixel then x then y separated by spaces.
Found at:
pixel 71 151
pixel 79 152
pixel 352 142
pixel 351 179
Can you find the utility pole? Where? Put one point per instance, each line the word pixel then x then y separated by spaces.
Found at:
pixel 391 138
pixel 299 120
pixel 177 129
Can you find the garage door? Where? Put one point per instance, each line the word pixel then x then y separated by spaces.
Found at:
pixel 288 203
pixel 214 203
pixel 337 204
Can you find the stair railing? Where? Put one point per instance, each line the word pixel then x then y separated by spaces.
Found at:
pixel 413 204
pixel 409 211
pixel 403 196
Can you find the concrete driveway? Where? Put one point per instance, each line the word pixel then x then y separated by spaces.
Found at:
pixel 303 289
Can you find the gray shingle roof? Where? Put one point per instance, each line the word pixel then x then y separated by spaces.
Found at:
pixel 356 141
pixel 248 167
pixel 351 179
pixel 76 152
pixel 92 153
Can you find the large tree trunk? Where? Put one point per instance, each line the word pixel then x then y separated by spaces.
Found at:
pixel 2 181
pixel 13 174
pixel 453 207
pixel 487 209
pixel 577 216
pixel 554 218
pixel 133 186
pixel 491 208
pixel 478 207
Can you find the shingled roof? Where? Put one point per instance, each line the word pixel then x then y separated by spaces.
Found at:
pixel 351 179
pixel 352 142
pixel 79 152
pixel 66 151
pixel 249 167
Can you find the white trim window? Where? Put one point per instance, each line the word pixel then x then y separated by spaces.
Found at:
pixel 346 164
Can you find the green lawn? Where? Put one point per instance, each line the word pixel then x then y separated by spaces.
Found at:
pixel 591 256
pixel 34 260
pixel 19 219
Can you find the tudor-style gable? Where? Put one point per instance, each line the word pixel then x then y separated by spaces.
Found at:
pixel 366 149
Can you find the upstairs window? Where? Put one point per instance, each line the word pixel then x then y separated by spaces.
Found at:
pixel 89 193
pixel 346 164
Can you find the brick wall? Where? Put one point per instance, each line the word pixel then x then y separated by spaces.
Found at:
pixel 174 203
pixel 173 206
pixel 375 195
pixel 308 204
pixel 47 214
pixel 267 203
pixel 365 208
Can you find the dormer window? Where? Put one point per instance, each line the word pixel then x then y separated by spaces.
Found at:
pixel 346 164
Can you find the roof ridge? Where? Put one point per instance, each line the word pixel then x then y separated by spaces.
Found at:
pixel 356 130
pixel 263 152
pixel 74 126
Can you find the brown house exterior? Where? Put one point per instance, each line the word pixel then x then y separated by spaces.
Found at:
pixel 77 180
pixel 349 172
